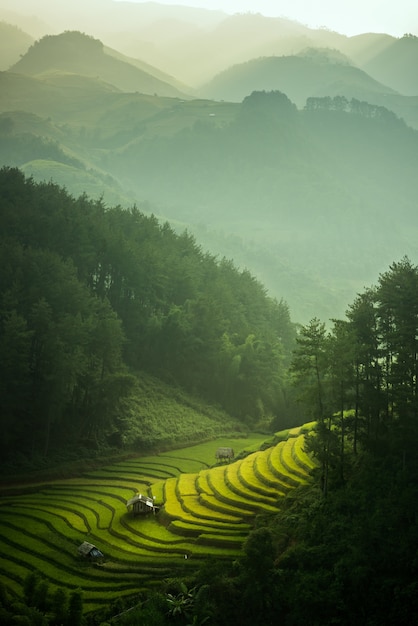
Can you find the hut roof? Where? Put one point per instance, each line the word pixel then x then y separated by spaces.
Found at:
pixel 141 498
pixel 88 549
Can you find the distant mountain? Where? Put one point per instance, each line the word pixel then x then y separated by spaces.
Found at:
pixel 362 48
pixel 101 16
pixel 76 53
pixel 197 54
pixel 26 21
pixel 312 73
pixel 194 44
pixel 13 44
pixel 397 65
pixel 330 192
pixel 145 67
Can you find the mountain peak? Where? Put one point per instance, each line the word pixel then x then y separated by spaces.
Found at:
pixel 58 51
pixel 74 52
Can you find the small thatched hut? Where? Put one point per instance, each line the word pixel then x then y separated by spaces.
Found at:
pixel 224 454
pixel 89 551
pixel 141 505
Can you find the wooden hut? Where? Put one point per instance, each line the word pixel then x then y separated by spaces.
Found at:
pixel 141 505
pixel 224 453
pixel 89 551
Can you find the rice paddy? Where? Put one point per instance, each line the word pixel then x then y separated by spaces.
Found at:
pixel 203 510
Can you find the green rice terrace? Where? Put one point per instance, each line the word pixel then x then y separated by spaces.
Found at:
pixel 203 508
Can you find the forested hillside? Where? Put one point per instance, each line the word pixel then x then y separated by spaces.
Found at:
pixel 91 297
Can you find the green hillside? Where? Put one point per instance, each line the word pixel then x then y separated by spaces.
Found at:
pixel 313 72
pixel 76 53
pixel 395 65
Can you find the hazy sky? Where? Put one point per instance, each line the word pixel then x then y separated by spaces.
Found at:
pixel 345 16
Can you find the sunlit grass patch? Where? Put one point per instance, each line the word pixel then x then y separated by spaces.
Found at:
pixel 214 524
pixel 116 492
pixel 28 552
pixel 116 479
pixel 146 532
pixel 147 472
pixel 205 452
pixel 183 464
pixel 172 506
pixel 90 507
pixel 281 435
pixel 294 432
pixel 186 485
pixel 202 483
pixel 225 495
pixel 67 507
pixel 289 463
pixel 262 471
pixel 205 507
pixel 33 525
pixel 212 506
pixel 189 529
pixel 237 486
pixel 157 491
pixel 74 520
pixel 300 455
pixel 249 479
pixel 148 526
pixel 274 460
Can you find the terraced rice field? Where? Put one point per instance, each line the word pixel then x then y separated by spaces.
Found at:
pixel 204 511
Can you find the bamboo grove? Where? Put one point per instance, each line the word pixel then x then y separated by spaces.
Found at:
pixel 359 380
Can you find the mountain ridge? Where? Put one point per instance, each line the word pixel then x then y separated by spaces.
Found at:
pixel 78 53
pixel 299 76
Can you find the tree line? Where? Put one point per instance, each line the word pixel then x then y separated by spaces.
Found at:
pixel 91 296
pixel 359 380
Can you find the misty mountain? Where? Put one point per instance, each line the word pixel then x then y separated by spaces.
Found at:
pixel 76 53
pixel 364 47
pixel 315 72
pixel 311 201
pixel 196 54
pixel 13 43
pixel 115 22
pixel 195 44
pixel 397 65
pixel 331 192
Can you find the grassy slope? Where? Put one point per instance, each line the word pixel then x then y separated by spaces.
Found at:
pixel 41 527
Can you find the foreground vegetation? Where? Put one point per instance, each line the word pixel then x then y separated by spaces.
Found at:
pixel 205 513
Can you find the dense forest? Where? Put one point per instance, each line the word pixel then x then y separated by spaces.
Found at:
pixel 91 297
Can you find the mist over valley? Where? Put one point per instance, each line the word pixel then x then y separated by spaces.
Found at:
pixel 310 183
